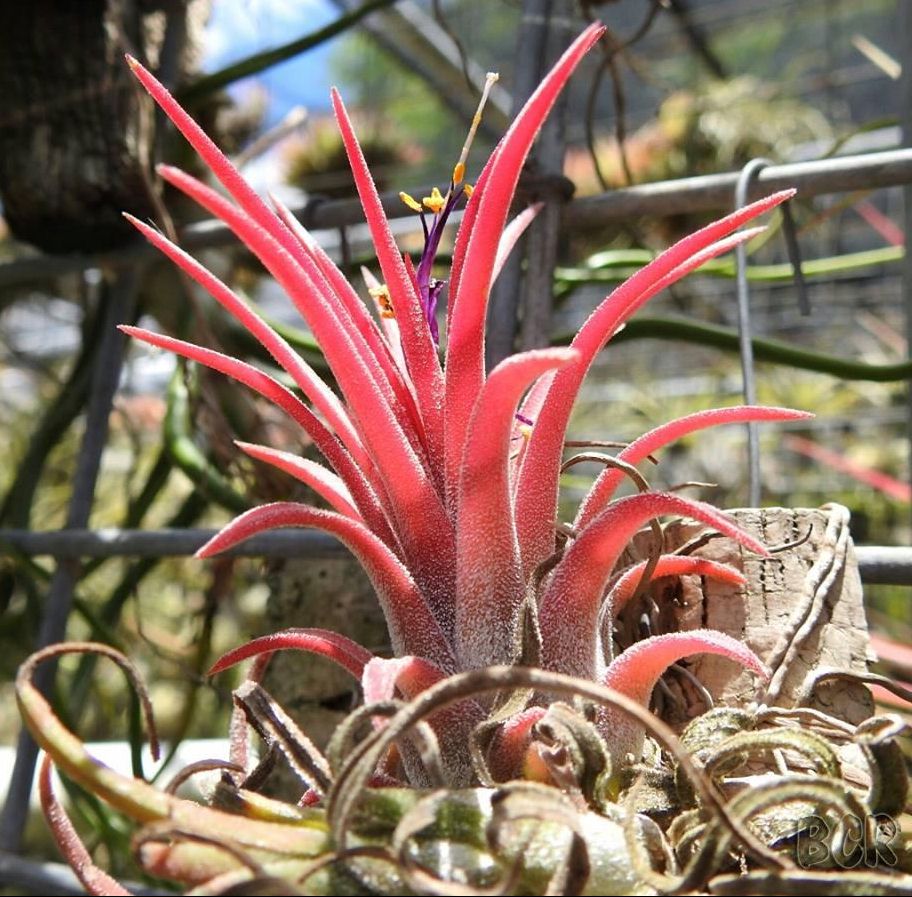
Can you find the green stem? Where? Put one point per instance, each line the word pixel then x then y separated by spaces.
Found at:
pixel 616 265
pixel 773 351
pixel 139 506
pixel 188 513
pixel 69 402
pixel 186 453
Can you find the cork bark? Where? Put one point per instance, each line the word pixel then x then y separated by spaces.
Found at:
pixel 801 611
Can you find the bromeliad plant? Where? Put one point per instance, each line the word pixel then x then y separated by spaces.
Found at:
pixel 443 480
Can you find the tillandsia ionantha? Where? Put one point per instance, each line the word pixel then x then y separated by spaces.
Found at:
pixel 444 479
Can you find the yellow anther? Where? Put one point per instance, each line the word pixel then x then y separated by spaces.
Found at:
pixel 411 202
pixel 435 202
pixel 381 295
pixel 468 190
pixel 458 173
pixel 525 431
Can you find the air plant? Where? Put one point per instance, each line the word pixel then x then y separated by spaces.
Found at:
pixel 443 480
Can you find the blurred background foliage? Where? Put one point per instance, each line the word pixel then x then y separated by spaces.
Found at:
pixel 681 89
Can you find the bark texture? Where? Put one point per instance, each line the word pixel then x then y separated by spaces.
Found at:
pixel 802 612
pixel 75 130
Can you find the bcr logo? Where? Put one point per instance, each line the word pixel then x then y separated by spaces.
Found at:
pixel 847 842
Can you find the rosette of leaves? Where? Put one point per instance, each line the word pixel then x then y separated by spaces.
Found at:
pixel 744 802
pixel 443 480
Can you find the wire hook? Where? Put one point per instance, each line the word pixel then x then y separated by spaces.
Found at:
pixel 742 188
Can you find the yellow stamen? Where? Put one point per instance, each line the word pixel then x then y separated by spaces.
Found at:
pixel 435 202
pixel 411 202
pixel 525 431
pixel 381 295
pixel 459 170
pixel 468 190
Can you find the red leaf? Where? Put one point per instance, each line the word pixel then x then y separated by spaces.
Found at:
pixel 423 528
pixel 569 608
pixel 668 565
pixel 489 584
pixel 412 626
pixel 93 879
pixel 636 671
pixel 470 290
pixel 341 650
pixel 300 371
pixel 538 478
pixel 420 353
pixel 609 479
pixel 266 386
pixel 322 481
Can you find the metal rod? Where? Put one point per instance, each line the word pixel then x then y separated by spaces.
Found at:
pixel 713 191
pixel 878 564
pixel 544 233
pixel 742 188
pixel 85 543
pixel 869 171
pixel 36 877
pixel 884 565
pixel 531 41
pixel 115 305
pixel 905 24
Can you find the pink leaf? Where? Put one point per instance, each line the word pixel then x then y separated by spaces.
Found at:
pixel 453 724
pixel 894 653
pixel 232 180
pixel 423 528
pixel 668 565
pixel 470 290
pixel 489 585
pixel 345 293
pixel 355 368
pixel 610 478
pixel 512 232
pixel 342 289
pixel 569 608
pixel 523 422
pixel 466 226
pixel 420 354
pixel 411 675
pixel 365 498
pixel 389 326
pixel 93 879
pixel 341 650
pixel 538 477
pixel 412 626
pixel 301 372
pixel 509 749
pixel 869 476
pixel 636 671
pixel 322 481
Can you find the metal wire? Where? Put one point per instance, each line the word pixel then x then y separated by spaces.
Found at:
pixel 841 174
pixel 746 348
pixel 115 305
pixel 878 564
